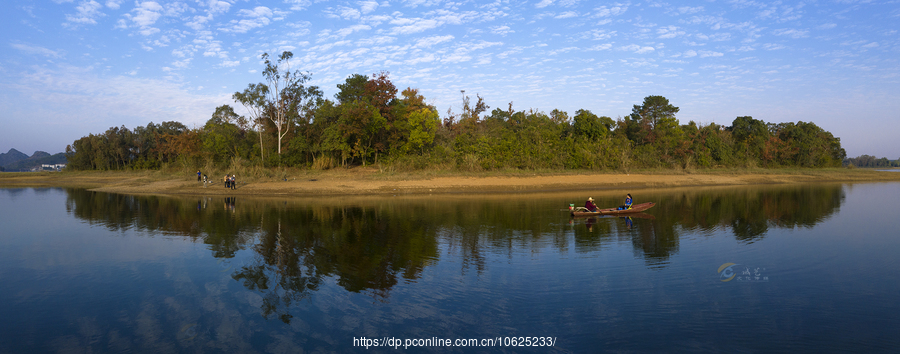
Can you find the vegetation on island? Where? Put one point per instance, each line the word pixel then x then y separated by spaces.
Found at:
pixel 871 162
pixel 290 124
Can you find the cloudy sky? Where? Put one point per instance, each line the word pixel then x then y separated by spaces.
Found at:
pixel 73 67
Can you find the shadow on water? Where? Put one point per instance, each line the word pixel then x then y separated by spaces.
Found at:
pixel 369 245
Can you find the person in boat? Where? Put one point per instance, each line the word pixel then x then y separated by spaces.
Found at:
pixel 628 202
pixel 590 206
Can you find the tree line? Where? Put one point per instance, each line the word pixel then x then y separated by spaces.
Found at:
pixel 289 123
pixel 871 161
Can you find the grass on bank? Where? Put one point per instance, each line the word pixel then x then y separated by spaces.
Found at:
pixel 255 174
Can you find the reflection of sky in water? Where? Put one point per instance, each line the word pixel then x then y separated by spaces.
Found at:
pixel 40 228
pixel 69 283
pixel 73 285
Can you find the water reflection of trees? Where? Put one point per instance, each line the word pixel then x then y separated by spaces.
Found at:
pixel 750 212
pixel 370 247
pixel 746 212
pixel 365 250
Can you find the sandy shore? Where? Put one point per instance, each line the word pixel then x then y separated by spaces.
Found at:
pixel 370 182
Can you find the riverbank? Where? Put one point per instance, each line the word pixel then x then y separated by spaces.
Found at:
pixel 363 181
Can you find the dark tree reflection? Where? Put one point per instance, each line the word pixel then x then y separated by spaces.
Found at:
pixel 372 246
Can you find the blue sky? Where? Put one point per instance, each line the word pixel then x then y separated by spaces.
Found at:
pixel 70 68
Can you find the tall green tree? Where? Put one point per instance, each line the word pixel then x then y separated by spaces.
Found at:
pixel 353 89
pixel 287 96
pixel 654 118
pixel 751 136
pixel 254 100
pixel 359 125
pixel 422 121
pixel 222 136
pixel 588 125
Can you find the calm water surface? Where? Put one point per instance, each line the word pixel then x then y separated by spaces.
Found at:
pixel 809 268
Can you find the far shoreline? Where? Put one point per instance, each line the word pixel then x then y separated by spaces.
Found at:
pixel 369 181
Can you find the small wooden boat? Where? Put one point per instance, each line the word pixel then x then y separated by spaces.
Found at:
pixel 637 208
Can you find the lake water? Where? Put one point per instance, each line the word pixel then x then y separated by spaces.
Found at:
pixel 809 268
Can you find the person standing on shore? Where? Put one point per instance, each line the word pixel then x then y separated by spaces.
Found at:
pixel 226 181
pixel 198 175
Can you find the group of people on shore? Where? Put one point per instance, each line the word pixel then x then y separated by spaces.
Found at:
pixel 230 181
pixel 590 206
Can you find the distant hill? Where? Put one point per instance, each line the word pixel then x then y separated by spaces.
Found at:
pixel 11 156
pixel 16 161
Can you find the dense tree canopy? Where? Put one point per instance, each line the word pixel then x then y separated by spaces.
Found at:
pixel 290 124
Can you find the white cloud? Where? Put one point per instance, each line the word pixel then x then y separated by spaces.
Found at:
pixel 415 25
pixel 146 31
pixel 719 37
pixel 259 11
pixel 298 5
pixel 457 57
pixel 826 26
pixel 87 14
pixel 76 94
pixel 707 54
pixel 368 6
pixel 417 3
pixel 543 4
pixel 567 14
pixel 258 17
pixel 218 6
pixel 562 50
pixel 690 54
pixel 433 40
pixel 354 28
pixel 637 49
pixel 35 50
pixel 434 19
pixel 146 13
pixel 604 11
pixel 348 13
pixel 599 34
pixel 113 4
pixel 375 40
pixel 689 10
pixel 426 58
pixel 199 21
pixel 501 30
pixel 669 32
pixel 791 32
